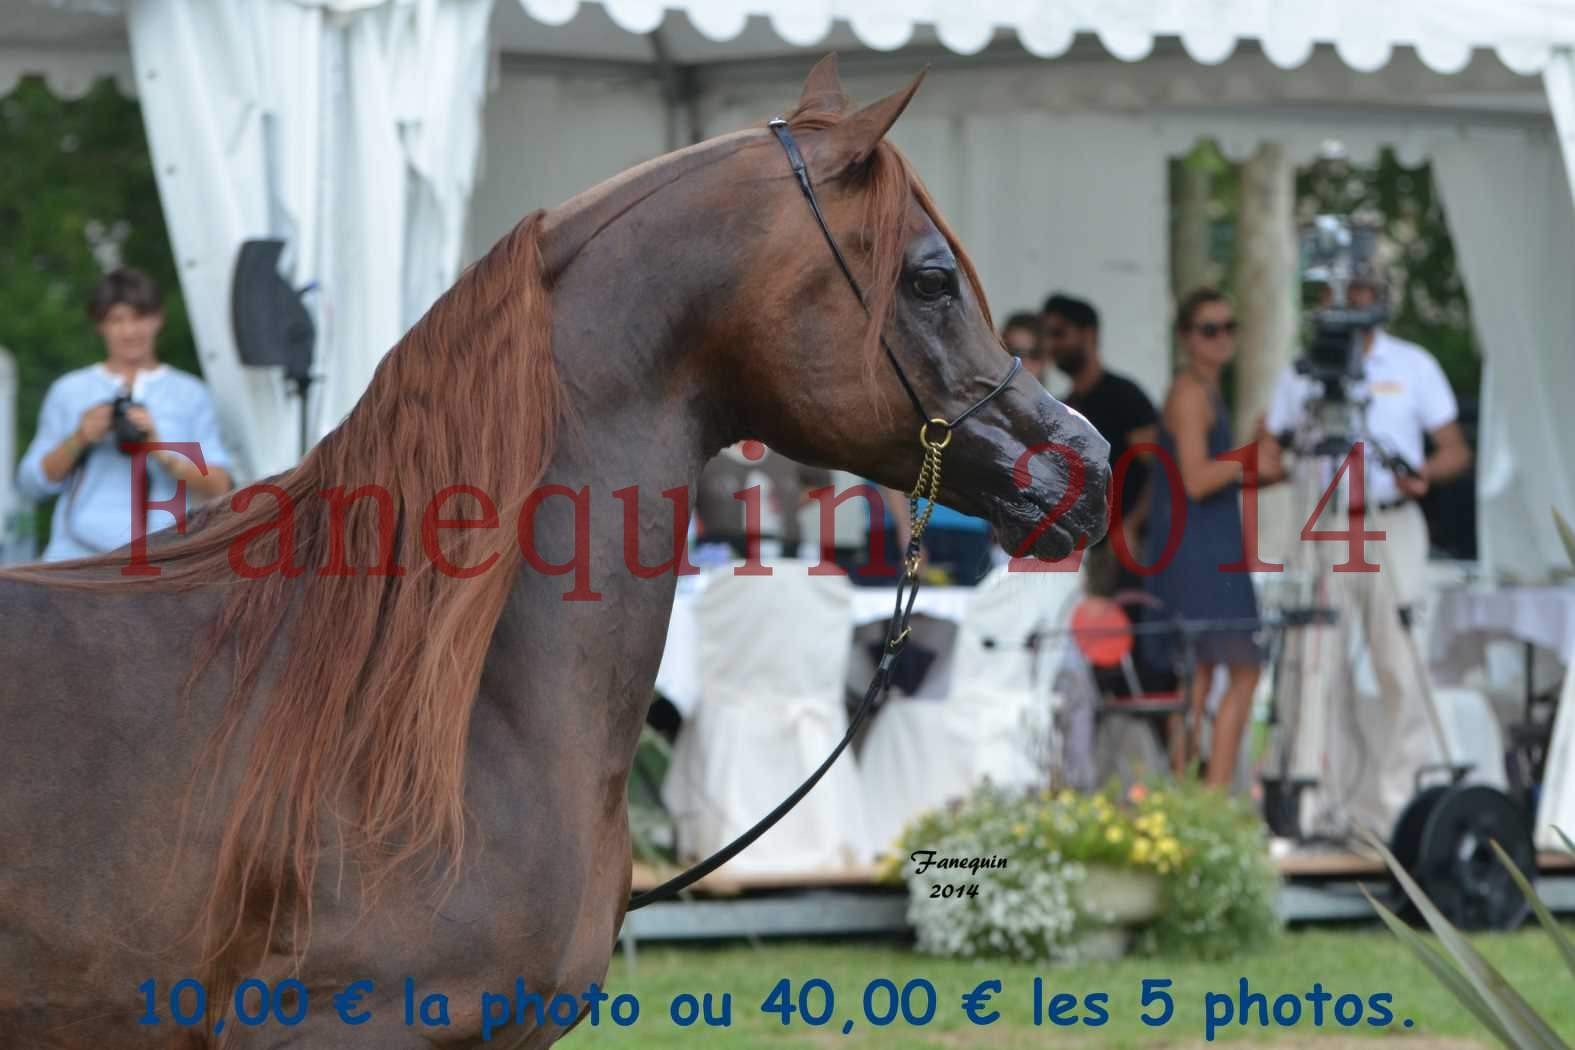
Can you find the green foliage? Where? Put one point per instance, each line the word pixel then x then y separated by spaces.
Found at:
pixel 1221 901
pixel 1474 982
pixel 1431 309
pixel 650 828
pixel 1217 883
pixel 74 170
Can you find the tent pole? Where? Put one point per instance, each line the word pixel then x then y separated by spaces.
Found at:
pixel 680 93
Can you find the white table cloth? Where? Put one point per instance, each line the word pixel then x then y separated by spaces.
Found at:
pixel 1466 618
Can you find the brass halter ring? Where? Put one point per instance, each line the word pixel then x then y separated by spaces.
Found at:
pixel 928 442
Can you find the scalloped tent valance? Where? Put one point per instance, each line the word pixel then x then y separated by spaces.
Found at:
pixel 1523 33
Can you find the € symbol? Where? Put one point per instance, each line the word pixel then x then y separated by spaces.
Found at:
pixel 350 999
pixel 974 1003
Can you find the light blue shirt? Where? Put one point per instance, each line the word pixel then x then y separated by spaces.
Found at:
pixel 95 514
pixel 943 517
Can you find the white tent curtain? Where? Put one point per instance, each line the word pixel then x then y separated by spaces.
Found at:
pixel 347 128
pixel 1511 214
pixel 1559 81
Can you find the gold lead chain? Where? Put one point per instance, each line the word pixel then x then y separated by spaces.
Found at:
pixel 928 487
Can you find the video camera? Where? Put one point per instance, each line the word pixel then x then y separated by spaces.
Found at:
pixel 1337 254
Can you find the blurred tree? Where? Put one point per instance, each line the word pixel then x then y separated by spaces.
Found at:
pixel 77 196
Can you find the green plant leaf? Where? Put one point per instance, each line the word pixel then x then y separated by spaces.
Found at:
pixel 1568 536
pixel 1560 938
pixel 1450 977
pixel 1528 1030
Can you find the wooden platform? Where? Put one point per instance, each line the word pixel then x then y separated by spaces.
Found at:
pixel 853 902
pixel 1312 865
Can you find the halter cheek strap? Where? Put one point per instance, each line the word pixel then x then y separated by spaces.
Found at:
pixel 801 170
pixel 927 486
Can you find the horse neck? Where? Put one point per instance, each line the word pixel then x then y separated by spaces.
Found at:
pixel 638 312
pixel 635 327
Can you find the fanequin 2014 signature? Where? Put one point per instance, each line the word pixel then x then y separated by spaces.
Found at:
pixel 925 859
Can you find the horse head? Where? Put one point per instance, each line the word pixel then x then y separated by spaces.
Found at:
pixel 853 254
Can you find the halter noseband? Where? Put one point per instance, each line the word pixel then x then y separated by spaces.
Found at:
pixel 928 485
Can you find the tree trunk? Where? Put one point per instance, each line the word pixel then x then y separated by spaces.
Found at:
pixel 1266 305
pixel 1189 242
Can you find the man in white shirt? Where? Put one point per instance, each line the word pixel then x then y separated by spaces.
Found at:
pixel 1367 778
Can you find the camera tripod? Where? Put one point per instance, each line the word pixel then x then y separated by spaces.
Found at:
pixel 1313 711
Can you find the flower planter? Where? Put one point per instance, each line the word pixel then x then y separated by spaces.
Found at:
pixel 1120 896
pixel 1115 900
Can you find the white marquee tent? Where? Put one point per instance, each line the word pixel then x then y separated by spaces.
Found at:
pixel 391 140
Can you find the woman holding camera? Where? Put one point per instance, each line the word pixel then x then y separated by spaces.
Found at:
pixel 1203 519
pixel 92 419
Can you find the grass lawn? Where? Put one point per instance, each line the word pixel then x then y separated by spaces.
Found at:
pixel 1363 963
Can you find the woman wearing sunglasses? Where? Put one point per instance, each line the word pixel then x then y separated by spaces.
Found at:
pixel 1194 431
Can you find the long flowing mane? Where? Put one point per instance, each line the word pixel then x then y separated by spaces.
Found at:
pixel 382 655
pixel 363 713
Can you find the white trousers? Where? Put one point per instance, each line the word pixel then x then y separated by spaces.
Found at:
pixel 1363 752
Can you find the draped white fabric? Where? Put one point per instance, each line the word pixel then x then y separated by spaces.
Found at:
pixel 350 130
pixel 1556 809
pixel 994 723
pixel 773 657
pixel 1509 208
pixel 1558 80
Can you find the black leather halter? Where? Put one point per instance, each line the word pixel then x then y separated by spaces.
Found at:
pixel 907 589
pixel 801 170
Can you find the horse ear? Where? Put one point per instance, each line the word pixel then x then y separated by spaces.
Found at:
pixel 851 141
pixel 823 88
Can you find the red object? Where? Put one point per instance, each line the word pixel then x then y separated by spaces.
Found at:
pixel 753 449
pixel 1103 631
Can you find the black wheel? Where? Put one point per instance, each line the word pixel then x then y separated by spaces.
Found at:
pixel 1406 841
pixel 1457 868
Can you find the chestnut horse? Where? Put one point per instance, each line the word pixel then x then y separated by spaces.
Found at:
pixel 339 738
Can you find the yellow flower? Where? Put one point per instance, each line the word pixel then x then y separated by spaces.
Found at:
pixel 1140 851
pixel 1169 846
pixel 1020 830
pixel 1113 834
pixel 1065 796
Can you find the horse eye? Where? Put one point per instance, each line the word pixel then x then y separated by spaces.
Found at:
pixel 932 283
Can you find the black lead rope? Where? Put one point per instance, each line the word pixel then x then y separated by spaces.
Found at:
pixel 928 486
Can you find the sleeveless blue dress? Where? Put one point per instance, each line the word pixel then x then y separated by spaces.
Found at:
pixel 1191 585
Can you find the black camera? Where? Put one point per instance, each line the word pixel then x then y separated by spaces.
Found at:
pixel 1334 348
pixel 126 432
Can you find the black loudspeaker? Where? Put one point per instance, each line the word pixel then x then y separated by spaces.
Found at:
pixel 272 326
